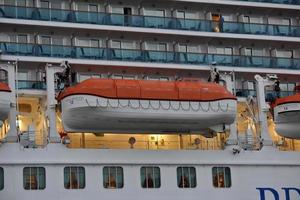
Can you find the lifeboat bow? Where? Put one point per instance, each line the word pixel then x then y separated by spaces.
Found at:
pixel 287 116
pixel 140 106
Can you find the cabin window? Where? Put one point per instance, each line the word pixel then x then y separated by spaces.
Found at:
pixel 186 177
pixel 182 48
pixel 9 2
pixel 157 13
pixel 93 8
pixel 186 15
pixel 113 177
pixel 156 46
pixel 34 178
pixel 46 40
pixel 22 39
pixel 74 177
pixel 45 4
pixel 95 43
pixel 150 177
pixel 224 51
pixel 253 52
pixel 221 177
pixel 285 53
pixel 1 178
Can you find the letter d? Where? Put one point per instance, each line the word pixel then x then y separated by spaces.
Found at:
pixel 262 192
pixel 287 192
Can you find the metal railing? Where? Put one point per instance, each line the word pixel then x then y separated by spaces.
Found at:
pixel 57 51
pixel 32 139
pixel 249 142
pixel 32 85
pixel 290 2
pixel 269 94
pixel 59 15
pixel 150 145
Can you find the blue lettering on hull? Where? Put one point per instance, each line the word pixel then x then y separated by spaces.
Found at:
pixel 275 194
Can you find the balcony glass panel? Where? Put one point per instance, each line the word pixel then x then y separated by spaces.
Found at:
pixel 58 15
pixel 146 56
pixel 292 2
pixel 32 85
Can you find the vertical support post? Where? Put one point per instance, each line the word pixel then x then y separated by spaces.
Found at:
pixel 263 108
pixel 51 102
pixel 230 86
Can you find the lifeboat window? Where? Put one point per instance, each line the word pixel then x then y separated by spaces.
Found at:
pixel 221 177
pixel 34 178
pixel 74 177
pixel 150 177
pixel 186 177
pixel 113 177
pixel 1 178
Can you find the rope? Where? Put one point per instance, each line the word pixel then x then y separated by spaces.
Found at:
pixel 205 110
pixel 182 107
pixel 153 106
pixel 212 109
pixel 150 104
pixel 169 105
pixel 194 109
pixel 145 108
pixel 131 105
pixel 176 109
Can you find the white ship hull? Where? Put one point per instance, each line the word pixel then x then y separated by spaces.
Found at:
pixel 250 171
pixel 287 120
pixel 87 113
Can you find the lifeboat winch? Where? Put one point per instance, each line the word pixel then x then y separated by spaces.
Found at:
pixel 4 102
pixel 287 116
pixel 143 106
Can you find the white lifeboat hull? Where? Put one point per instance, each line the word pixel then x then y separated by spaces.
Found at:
pixel 88 113
pixel 287 120
pixel 4 105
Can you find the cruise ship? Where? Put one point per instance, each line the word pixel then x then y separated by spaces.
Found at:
pixel 157 99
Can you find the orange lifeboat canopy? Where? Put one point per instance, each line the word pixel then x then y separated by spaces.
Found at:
pixel 4 87
pixel 148 89
pixel 289 99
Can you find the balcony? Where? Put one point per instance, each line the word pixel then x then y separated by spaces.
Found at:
pixel 110 54
pixel 270 95
pixel 146 21
pixel 290 2
pixel 31 85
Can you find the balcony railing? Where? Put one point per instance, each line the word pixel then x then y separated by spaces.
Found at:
pixel 291 2
pixel 146 56
pixel 146 21
pixel 31 85
pixel 270 95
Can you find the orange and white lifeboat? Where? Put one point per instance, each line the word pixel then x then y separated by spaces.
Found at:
pixel 287 116
pixel 4 102
pixel 143 106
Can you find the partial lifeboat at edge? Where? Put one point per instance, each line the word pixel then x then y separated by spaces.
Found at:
pixel 144 106
pixel 4 102
pixel 287 116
